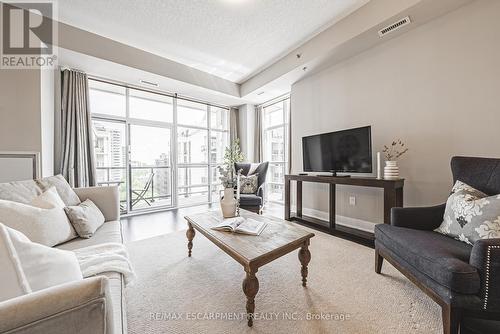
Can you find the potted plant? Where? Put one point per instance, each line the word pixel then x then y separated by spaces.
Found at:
pixel 228 177
pixel 392 153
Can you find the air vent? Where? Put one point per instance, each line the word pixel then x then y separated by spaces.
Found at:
pixel 149 83
pixel 395 26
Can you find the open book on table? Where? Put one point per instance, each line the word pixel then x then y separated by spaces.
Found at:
pixel 241 225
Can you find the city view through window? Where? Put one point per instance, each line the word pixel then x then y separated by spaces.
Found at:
pixel 160 150
pixel 275 142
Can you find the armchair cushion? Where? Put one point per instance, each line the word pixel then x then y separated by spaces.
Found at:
pixel 443 259
pixel 250 200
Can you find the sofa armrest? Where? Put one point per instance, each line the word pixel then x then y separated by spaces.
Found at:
pixel 485 256
pixel 78 307
pixel 107 200
pixel 418 218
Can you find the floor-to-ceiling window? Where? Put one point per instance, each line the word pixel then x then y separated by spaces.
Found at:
pixel 275 142
pixel 162 151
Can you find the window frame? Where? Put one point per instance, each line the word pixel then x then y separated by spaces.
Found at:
pixel 173 126
pixel 285 101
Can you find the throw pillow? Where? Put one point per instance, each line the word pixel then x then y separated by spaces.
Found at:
pixel 471 215
pixel 64 190
pixel 85 217
pixel 248 184
pixel 44 222
pixel 41 266
pixel 19 191
pixel 14 282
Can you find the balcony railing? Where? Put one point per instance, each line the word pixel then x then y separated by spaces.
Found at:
pixel 145 192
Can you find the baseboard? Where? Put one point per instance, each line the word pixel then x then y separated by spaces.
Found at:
pixel 359 224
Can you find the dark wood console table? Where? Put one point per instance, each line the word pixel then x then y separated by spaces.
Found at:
pixel 393 197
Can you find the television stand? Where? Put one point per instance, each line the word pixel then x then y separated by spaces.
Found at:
pixel 393 197
pixel 334 174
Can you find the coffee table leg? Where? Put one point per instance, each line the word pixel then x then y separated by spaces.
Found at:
pixel 250 288
pixel 304 257
pixel 190 233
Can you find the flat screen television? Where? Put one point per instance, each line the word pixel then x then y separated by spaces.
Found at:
pixel 347 151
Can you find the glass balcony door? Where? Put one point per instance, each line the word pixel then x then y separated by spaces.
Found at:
pixel 111 156
pixel 150 167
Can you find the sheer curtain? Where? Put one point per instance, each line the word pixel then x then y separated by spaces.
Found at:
pixel 77 163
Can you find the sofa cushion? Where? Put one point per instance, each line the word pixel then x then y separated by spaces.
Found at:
pixel 250 200
pixel 42 266
pixel 67 194
pixel 19 191
pixel 108 232
pixel 43 220
pixel 441 258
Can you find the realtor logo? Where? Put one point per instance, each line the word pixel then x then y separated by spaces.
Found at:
pixel 29 32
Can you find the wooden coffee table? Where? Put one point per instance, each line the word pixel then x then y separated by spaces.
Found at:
pixel 252 252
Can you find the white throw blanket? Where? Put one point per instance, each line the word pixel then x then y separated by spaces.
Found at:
pixel 98 259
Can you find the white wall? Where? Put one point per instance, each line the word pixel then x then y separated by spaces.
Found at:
pixel 27 114
pixel 20 110
pixel 435 87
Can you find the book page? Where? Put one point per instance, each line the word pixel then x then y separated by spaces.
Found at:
pixel 251 226
pixel 229 224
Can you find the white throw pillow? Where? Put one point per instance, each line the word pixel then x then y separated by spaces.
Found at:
pixel 67 194
pixel 14 281
pixel 37 266
pixel 44 221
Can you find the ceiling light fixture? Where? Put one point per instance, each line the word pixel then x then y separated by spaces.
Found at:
pixel 260 93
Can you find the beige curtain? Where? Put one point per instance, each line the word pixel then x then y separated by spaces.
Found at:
pixel 233 124
pixel 77 149
pixel 258 146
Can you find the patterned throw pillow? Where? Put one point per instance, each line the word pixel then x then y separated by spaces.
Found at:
pixel 248 184
pixel 471 215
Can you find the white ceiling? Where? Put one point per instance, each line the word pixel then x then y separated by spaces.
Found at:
pixel 232 39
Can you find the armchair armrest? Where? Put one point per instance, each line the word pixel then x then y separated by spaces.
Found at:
pixel 260 192
pixel 107 200
pixel 79 307
pixel 419 218
pixel 485 256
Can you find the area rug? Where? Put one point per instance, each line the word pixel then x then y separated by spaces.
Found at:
pixel 203 294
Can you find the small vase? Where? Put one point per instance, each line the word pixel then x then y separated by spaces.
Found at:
pixel 228 203
pixel 391 170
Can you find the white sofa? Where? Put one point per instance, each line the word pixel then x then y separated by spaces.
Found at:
pixel 94 305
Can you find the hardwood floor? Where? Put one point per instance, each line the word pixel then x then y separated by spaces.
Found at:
pixel 157 223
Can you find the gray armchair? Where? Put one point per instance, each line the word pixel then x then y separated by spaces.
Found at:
pixel 462 279
pixel 253 202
